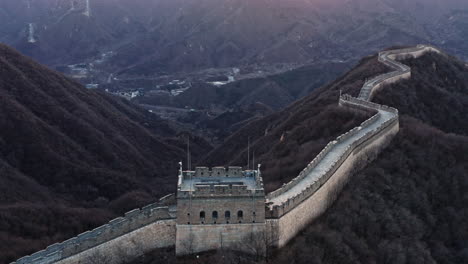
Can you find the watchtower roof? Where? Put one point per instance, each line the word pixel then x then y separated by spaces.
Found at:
pixel 220 180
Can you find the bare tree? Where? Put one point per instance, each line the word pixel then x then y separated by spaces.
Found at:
pixel 138 247
pixel 260 244
pixel 255 245
pixel 122 255
pixel 188 244
pixel 99 257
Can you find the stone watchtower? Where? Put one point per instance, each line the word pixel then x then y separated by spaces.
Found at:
pixel 218 208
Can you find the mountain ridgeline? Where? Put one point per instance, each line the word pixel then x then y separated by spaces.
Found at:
pixel 160 36
pixel 222 110
pixel 71 158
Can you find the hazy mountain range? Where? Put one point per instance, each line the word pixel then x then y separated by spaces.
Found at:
pixel 156 36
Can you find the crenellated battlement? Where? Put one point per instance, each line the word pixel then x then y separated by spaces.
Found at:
pixel 117 227
pixel 315 188
pixel 277 210
pixel 285 206
pixel 219 182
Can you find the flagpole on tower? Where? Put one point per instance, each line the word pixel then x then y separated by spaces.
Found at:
pixel 253 160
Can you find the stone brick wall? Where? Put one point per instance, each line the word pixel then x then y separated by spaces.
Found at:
pixel 253 210
pixel 154 218
pixel 287 219
pixel 300 212
pixel 278 211
pixel 158 234
pixel 198 238
pixel 350 102
pixel 232 171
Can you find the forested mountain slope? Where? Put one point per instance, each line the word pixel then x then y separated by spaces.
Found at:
pixel 285 142
pixel 71 158
pixel 411 204
pixel 408 206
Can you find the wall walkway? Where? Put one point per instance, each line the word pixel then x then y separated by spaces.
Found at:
pixel 307 196
pixel 156 219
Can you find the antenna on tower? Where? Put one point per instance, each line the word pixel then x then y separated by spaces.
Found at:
pixel 189 165
pixel 253 160
pixel 248 153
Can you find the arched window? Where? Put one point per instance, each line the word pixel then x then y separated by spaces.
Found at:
pixel 215 215
pixel 240 214
pixel 227 215
pixel 202 215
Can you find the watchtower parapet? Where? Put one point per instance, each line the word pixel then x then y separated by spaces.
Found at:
pixel 220 182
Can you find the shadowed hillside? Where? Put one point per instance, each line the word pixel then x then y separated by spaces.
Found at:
pixel 410 204
pixel 285 142
pixel 275 91
pixel 72 158
pixel 238 102
pixel 437 93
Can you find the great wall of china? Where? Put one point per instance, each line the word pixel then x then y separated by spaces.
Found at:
pixel 288 209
